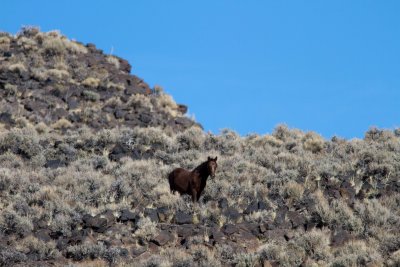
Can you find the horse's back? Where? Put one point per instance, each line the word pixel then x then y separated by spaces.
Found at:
pixel 179 180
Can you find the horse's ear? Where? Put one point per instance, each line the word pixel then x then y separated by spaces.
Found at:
pixel 216 158
pixel 209 158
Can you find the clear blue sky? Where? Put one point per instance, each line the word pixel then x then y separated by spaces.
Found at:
pixel 328 66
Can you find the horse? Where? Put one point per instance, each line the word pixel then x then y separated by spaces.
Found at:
pixel 192 182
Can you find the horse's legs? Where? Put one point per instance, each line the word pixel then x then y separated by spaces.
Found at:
pixel 194 195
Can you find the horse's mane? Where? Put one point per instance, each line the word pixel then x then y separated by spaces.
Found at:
pixel 201 168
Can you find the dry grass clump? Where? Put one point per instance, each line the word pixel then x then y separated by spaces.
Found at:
pixel 93 251
pixel 10 89
pixel 90 95
pixel 285 255
pixel 91 82
pixel 356 253
pixel 13 223
pixel 117 86
pixel 337 213
pixel 55 44
pixel 20 141
pixel 394 259
pixel 10 256
pixel 62 124
pixel 5 43
pixel 17 67
pixel 166 103
pixel 294 190
pixel 113 60
pixel 313 142
pixel 315 243
pixel 137 101
pixel 55 74
pixel 27 43
pixel 39 249
pixel 147 229
pixel 39 74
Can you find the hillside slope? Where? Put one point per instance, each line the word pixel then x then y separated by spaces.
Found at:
pixel 91 190
pixel 48 79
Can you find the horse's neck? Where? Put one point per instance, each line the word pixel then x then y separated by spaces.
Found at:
pixel 202 171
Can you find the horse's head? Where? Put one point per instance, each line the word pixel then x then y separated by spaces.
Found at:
pixel 212 166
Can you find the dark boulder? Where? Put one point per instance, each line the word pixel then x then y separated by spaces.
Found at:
pixel 72 104
pixel 223 203
pixel 252 207
pixel 163 238
pixel 97 223
pixel 120 113
pixel 138 250
pixel 6 118
pixel 163 214
pixel 32 105
pixel 182 108
pixel 340 237
pixel 55 163
pixel 183 122
pixel 281 215
pixel 232 213
pixel 296 218
pixel 185 230
pixel 262 205
pixel 216 236
pixel 183 218
pixel 39 223
pixel 128 216
pixel 229 229
pixel 118 151
pixel 145 117
pixel 151 214
pixel 276 234
pixel 43 234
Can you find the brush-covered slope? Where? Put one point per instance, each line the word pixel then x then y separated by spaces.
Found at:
pixel 74 196
pixel 47 80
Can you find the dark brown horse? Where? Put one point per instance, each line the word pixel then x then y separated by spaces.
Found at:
pixel 192 182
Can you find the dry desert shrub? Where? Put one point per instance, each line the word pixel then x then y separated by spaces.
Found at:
pixel 17 67
pixel 294 190
pixel 355 253
pixel 147 229
pixel 113 60
pixel 117 86
pixel 10 89
pixel 315 243
pixel 54 44
pixel 290 255
pixel 5 43
pixel 313 142
pixel 62 124
pixel 55 74
pixel 12 223
pixel 90 95
pixel 91 82
pixel 39 249
pixel 27 43
pixel 137 101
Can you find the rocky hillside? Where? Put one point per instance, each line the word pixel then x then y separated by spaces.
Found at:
pixel 49 81
pixel 84 159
